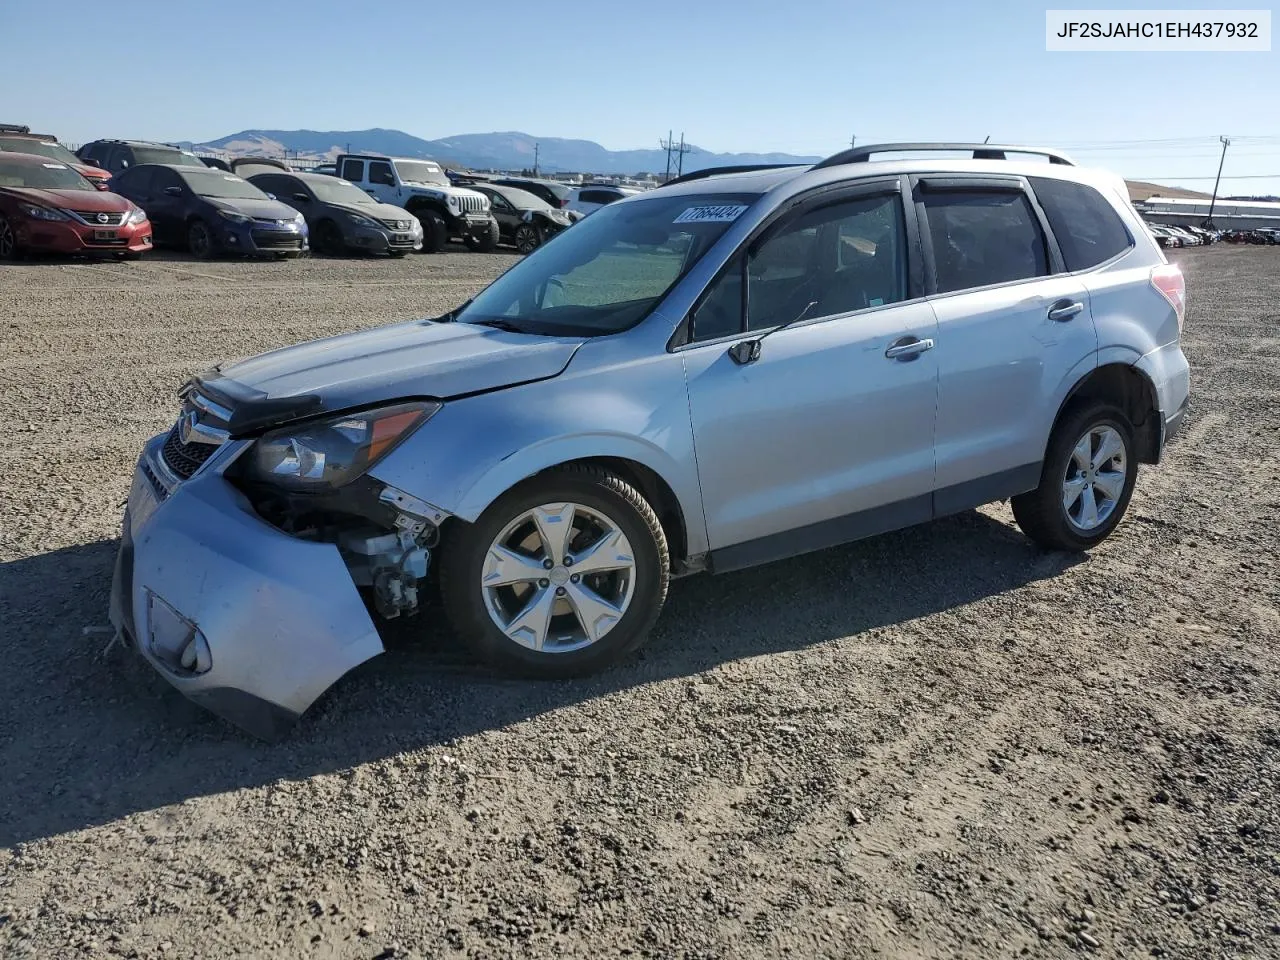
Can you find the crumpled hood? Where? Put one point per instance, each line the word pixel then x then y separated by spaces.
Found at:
pixel 414 359
pixel 377 211
pixel 252 207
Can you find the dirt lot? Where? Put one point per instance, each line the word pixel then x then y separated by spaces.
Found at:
pixel 939 743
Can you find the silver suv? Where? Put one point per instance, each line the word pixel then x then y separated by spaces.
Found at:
pixel 734 368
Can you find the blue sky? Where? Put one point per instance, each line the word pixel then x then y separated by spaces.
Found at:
pixel 801 76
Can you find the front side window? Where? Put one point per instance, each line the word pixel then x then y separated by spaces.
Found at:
pixel 984 237
pixel 380 172
pixel 836 259
pixel 607 273
pixel 353 170
pixel 1086 226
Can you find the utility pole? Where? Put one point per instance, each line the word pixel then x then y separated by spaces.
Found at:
pixel 679 150
pixel 853 142
pixel 535 158
pixel 1208 223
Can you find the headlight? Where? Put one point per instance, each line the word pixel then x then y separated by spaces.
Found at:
pixel 42 213
pixel 329 453
pixel 233 216
pixel 136 215
pixel 360 221
pixel 452 201
pixel 299 220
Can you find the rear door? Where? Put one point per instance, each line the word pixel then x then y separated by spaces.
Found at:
pixel 1013 328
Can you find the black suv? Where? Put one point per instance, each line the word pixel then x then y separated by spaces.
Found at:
pixel 116 155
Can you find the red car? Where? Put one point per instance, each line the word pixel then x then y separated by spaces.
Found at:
pixel 20 139
pixel 47 207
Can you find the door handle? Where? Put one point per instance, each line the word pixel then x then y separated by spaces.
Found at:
pixel 1064 310
pixel 908 348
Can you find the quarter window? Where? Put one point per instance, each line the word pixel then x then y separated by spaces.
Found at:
pixel 353 170
pixel 1086 226
pixel 984 237
pixel 833 260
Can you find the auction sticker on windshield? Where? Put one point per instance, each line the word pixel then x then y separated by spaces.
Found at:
pixel 726 213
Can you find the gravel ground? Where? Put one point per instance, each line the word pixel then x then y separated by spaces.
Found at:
pixel 939 743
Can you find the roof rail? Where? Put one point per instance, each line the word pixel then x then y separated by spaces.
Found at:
pixel 717 171
pixel 981 151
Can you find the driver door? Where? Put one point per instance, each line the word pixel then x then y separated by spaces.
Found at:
pixel 827 436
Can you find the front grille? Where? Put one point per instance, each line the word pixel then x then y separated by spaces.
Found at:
pixel 161 492
pixel 471 204
pixel 397 224
pixel 184 459
pixel 91 216
pixel 271 222
pixel 116 242
pixel 272 240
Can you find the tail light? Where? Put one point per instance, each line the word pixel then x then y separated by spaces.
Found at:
pixel 1168 280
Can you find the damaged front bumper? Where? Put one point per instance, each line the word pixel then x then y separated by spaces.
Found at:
pixel 244 619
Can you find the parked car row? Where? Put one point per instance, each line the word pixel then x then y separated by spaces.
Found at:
pixel 1167 235
pixel 359 203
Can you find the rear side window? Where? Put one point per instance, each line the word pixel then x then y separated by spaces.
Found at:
pixel 984 237
pixel 353 170
pixel 598 196
pixel 1087 228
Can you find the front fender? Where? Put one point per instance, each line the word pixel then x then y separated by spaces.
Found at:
pixel 604 405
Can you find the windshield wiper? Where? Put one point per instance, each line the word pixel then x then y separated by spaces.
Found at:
pixel 499 324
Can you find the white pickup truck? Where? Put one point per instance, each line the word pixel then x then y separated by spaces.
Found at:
pixel 421 187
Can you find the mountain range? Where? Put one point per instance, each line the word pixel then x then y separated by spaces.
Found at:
pixel 480 151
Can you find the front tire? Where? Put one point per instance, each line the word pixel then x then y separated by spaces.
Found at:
pixel 435 232
pixel 486 242
pixel 200 240
pixel 528 238
pixel 328 239
pixel 1087 481
pixel 9 249
pixel 559 577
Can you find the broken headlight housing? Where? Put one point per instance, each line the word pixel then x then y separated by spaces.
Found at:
pixel 323 454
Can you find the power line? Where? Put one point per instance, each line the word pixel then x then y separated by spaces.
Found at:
pixel 1178 176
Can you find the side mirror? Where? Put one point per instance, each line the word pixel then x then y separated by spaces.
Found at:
pixel 301 197
pixel 173 191
pixel 101 184
pixel 369 190
pixel 92 162
pixel 744 352
pixel 271 196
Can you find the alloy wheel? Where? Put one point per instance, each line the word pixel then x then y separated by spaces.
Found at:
pixel 7 240
pixel 526 239
pixel 558 577
pixel 1095 477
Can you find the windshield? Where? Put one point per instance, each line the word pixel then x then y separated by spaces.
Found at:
pixel 41 176
pixel 41 148
pixel 420 171
pixel 606 273
pixel 333 190
pixel 179 158
pixel 214 183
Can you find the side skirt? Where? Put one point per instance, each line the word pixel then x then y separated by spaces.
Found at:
pixel 877 520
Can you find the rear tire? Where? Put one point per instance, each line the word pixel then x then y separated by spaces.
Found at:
pixel 612 533
pixel 435 232
pixel 1090 468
